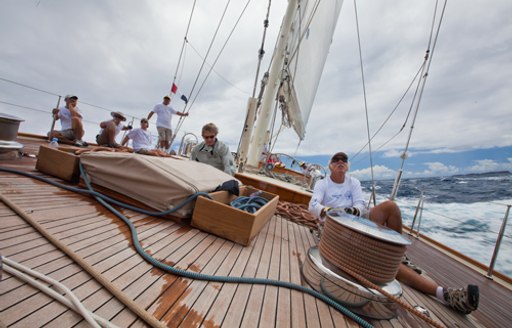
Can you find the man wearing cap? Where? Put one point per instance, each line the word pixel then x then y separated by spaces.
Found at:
pixel 110 129
pixel 344 192
pixel 164 114
pixel 72 129
pixel 142 140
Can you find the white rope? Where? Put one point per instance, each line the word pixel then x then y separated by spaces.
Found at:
pixel 73 302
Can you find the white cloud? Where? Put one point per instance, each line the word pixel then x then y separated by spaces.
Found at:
pixel 379 172
pixel 488 165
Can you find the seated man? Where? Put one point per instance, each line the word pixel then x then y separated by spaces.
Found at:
pixel 142 139
pixel 110 129
pixel 72 129
pixel 311 172
pixel 342 191
pixel 212 151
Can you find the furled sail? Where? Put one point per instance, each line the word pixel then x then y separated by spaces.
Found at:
pixel 297 65
pixel 307 49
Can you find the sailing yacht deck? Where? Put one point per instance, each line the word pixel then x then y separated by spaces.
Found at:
pixel 104 242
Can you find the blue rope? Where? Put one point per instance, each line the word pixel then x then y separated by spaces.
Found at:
pixel 190 274
pixel 249 203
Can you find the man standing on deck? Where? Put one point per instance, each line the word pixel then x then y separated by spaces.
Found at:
pixel 164 114
pixel 72 129
pixel 342 191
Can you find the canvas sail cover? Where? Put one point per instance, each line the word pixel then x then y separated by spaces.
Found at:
pixel 159 182
pixel 307 50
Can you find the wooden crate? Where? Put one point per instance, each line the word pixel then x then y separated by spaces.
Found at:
pixel 60 163
pixel 218 217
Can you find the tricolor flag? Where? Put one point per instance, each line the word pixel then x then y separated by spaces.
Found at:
pixel 174 88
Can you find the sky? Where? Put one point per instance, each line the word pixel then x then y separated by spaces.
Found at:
pixel 123 56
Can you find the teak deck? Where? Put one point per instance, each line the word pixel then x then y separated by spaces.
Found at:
pixel 104 242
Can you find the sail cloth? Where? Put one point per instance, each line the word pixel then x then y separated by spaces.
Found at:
pixel 307 48
pixel 159 182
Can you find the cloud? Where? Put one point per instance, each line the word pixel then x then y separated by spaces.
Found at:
pixel 379 172
pixel 488 165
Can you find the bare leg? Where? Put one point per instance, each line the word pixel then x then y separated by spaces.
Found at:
pixel 110 131
pixel 78 129
pixel 419 282
pixel 387 214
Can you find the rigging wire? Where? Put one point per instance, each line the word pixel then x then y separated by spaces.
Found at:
pixel 391 114
pixel 403 156
pixel 365 104
pixel 184 42
pixel 217 73
pixel 181 120
pixel 425 75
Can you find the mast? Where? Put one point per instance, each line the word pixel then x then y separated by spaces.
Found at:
pixel 264 115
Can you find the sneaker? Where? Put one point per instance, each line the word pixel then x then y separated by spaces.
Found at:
pixel 407 262
pixel 80 143
pixel 464 300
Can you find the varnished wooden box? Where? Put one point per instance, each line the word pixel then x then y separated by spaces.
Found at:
pixel 60 163
pixel 217 216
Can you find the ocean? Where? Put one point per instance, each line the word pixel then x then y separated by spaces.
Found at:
pixel 463 212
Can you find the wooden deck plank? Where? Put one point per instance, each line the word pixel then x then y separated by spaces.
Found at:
pixel 298 319
pixel 284 307
pixel 251 316
pixel 208 296
pixel 270 296
pixel 217 311
pixel 237 304
pixel 207 263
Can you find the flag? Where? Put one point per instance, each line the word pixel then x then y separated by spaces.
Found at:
pixel 184 99
pixel 174 88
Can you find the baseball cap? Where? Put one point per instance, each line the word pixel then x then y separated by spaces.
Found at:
pixel 339 156
pixel 70 96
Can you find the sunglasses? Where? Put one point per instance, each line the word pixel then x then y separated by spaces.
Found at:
pixel 338 159
pixel 208 137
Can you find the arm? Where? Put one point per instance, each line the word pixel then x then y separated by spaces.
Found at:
pixel 55 113
pixel 104 124
pixel 74 112
pixel 193 154
pixel 150 115
pixel 316 203
pixel 181 114
pixel 227 159
pixel 357 195
pixel 125 140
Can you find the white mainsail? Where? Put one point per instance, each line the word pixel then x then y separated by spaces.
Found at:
pixel 309 45
pixel 297 66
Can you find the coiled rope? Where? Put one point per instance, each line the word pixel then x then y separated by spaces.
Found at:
pixel 249 204
pixel 190 274
pixel 375 260
pixel 297 213
pixel 370 261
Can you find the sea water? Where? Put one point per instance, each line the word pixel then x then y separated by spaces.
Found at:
pixel 462 212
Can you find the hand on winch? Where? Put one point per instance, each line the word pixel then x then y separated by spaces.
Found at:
pixel 349 210
pixel 352 210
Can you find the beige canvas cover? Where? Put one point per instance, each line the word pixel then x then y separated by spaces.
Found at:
pixel 159 182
